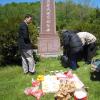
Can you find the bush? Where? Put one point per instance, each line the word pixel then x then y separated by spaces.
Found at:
pixel 10 17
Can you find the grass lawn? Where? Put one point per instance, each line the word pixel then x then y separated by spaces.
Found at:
pixel 13 81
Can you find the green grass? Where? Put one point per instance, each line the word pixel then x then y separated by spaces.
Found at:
pixel 13 81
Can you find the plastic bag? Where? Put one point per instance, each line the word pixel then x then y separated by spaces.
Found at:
pixel 31 91
pixel 37 94
pixel 35 83
pixel 69 74
pixel 95 65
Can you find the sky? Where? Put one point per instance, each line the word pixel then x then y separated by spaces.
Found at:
pixel 94 3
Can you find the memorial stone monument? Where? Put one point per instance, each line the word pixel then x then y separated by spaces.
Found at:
pixel 48 42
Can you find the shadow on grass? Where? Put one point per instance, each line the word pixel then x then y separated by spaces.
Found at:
pixel 11 63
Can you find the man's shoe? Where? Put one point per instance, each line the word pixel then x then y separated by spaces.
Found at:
pixel 32 73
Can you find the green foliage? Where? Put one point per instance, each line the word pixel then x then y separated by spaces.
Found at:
pixel 69 16
pixel 33 34
pixel 10 17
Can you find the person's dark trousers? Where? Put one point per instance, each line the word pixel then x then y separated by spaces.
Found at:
pixel 65 58
pixel 73 61
pixel 89 52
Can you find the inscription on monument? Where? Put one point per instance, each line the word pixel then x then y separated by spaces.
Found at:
pixel 49 43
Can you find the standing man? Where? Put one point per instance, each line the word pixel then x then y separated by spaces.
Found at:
pixel 25 46
pixel 89 45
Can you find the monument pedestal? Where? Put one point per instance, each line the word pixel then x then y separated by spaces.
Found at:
pixel 49 46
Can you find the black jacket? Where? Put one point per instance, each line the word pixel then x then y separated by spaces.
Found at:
pixel 71 42
pixel 23 39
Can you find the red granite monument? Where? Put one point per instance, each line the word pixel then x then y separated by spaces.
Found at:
pixel 49 42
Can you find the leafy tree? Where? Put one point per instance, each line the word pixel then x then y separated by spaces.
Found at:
pixel 69 15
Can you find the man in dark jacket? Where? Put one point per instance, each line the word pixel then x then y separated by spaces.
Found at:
pixel 72 46
pixel 25 46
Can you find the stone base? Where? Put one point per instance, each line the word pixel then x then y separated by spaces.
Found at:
pixel 48 55
pixel 49 46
